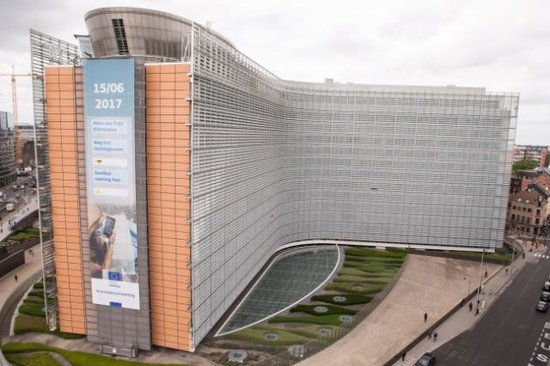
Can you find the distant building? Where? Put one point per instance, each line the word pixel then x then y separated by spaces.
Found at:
pixel 531 152
pixel 528 210
pixel 8 171
pixel 26 144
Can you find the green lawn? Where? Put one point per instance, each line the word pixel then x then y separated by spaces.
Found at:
pixel 34 359
pixel 257 335
pixel 76 358
pixel 320 320
pixel 34 324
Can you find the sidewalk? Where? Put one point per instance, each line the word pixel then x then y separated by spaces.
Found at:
pixel 33 263
pixel 399 318
pixel 463 319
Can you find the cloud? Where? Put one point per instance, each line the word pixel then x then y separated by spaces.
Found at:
pixel 500 45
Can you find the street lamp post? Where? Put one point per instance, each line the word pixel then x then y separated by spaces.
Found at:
pixel 480 281
pixel 469 282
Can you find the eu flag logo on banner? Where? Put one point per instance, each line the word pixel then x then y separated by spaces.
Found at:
pixel 115 276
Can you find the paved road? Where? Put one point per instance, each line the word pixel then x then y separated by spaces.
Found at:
pixel 511 332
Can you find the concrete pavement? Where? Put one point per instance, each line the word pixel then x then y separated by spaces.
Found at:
pixel 431 285
pixel 464 319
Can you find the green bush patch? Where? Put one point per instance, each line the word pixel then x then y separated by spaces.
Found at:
pixel 350 299
pixel 33 301
pixel 367 252
pixel 320 320
pixel 37 293
pixel 32 309
pixel 375 280
pixel 310 309
pixel 352 287
pixel 34 359
pixel 24 234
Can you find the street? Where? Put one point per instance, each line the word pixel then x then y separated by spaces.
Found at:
pixel 25 202
pixel 511 332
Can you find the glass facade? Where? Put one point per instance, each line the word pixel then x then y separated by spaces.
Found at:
pixel 46 51
pixel 276 162
pixel 8 172
pixel 291 277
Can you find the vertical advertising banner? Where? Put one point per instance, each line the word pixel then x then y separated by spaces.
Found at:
pixel 111 188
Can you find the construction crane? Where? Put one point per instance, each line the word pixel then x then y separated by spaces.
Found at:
pixel 14 76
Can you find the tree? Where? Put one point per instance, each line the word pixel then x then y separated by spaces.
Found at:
pixel 524 165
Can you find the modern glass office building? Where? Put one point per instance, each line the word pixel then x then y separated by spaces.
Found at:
pixel 204 164
pixel 8 171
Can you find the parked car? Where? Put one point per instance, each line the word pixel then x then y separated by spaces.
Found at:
pixel 542 306
pixel 545 296
pixel 427 359
pixel 546 286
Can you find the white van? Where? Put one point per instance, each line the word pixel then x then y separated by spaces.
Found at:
pixel 10 207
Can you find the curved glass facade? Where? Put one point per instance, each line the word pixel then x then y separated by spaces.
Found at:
pixel 292 276
pixel 275 162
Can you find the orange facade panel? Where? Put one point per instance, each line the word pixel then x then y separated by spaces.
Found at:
pixel 61 117
pixel 169 231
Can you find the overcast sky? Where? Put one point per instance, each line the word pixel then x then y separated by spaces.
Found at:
pixel 502 45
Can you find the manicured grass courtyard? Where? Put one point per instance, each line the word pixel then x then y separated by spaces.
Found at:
pixel 365 272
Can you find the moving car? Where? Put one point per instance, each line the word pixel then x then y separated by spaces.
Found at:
pixel 428 359
pixel 542 306
pixel 545 296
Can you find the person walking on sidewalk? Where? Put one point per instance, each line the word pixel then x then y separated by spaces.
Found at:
pixel 403 355
pixel 425 317
pixel 470 306
pixel 435 336
pixel 15 278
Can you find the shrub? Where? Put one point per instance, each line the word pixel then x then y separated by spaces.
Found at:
pixel 330 310
pixel 332 319
pixel 32 309
pixel 350 299
pixel 349 287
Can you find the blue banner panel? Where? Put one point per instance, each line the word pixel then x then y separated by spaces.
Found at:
pixel 109 111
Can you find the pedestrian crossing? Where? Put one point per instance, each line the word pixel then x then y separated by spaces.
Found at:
pixel 543 256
